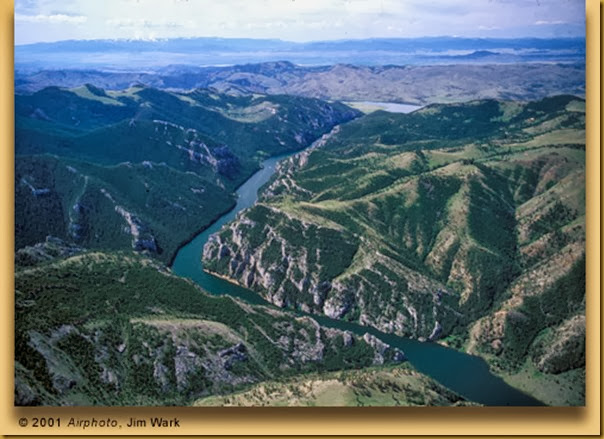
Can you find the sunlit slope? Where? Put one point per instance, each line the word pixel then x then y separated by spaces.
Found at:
pixel 188 130
pixel 377 386
pixel 425 223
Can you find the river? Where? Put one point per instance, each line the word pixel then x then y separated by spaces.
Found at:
pixel 465 374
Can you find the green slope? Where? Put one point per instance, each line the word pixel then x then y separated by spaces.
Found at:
pixel 145 168
pixel 447 222
pixel 141 336
pixel 147 124
pixel 145 206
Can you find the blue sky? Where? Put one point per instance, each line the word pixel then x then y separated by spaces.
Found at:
pixel 294 20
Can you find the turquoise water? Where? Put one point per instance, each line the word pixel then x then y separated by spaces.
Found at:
pixel 187 262
pixel 465 374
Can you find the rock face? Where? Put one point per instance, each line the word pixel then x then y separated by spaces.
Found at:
pixel 179 357
pixel 383 351
pixel 51 248
pixel 123 207
pixel 142 239
pixel 424 223
pixel 233 354
pixel 292 276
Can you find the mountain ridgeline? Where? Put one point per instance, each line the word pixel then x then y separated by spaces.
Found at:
pixel 460 222
pixel 414 84
pixel 143 55
pixel 144 168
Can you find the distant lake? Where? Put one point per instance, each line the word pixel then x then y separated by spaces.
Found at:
pixel 392 107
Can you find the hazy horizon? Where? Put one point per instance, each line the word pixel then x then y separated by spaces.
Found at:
pixel 296 21
pixel 335 40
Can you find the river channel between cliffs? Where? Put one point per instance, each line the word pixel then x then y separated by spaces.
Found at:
pixel 467 375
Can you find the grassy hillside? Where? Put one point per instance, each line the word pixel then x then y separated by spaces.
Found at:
pixel 375 386
pixel 457 221
pixel 141 336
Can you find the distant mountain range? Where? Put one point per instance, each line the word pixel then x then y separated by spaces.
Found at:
pixel 131 55
pixel 409 84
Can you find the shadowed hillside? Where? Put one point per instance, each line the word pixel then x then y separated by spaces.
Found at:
pixel 143 168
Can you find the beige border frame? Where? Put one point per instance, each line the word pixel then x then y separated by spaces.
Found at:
pixel 466 421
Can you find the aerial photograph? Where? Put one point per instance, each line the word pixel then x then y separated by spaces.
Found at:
pixel 299 203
